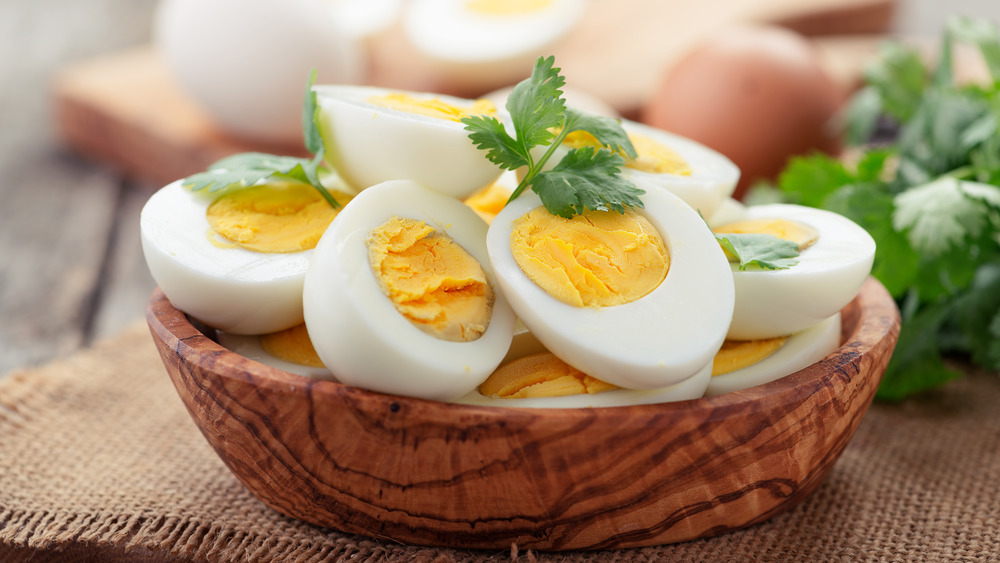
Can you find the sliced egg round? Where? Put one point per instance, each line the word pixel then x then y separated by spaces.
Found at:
pixel 487 43
pixel 691 388
pixel 255 347
pixel 654 341
pixel 374 135
pixel 797 352
pixel 393 295
pixel 828 274
pixel 214 279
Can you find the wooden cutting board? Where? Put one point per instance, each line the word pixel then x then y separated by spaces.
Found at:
pixel 126 110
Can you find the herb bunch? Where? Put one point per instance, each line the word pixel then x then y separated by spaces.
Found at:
pixel 930 198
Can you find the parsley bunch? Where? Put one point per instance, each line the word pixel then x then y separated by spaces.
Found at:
pixel 248 168
pixel 930 198
pixel 586 177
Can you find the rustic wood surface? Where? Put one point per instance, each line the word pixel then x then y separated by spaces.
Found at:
pixel 431 473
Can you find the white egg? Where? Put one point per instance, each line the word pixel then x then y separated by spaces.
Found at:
pixel 229 288
pixel 249 346
pixel 246 63
pixel 486 44
pixel 368 144
pixel 729 211
pixel 691 388
pixel 663 338
pixel 356 329
pixel 362 19
pixel 523 344
pixel 826 278
pixel 799 351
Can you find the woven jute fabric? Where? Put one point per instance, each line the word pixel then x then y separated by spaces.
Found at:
pixel 99 461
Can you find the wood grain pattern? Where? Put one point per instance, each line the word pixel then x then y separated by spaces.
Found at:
pixel 431 473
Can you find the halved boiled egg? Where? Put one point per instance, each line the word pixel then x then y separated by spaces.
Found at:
pixel 835 259
pixel 288 350
pixel 641 300
pixel 484 44
pixel 780 356
pixel 400 296
pixel 235 259
pixel 373 135
pixel 544 381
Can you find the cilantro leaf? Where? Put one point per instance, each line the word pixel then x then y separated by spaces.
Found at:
pixel 809 180
pixel 246 169
pixel 606 130
pixel 899 76
pixel 945 213
pixel 766 252
pixel 586 179
pixel 916 364
pixel 489 134
pixel 536 105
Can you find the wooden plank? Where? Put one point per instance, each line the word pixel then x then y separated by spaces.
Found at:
pixel 127 111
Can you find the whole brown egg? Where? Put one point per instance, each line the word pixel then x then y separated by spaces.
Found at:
pixel 757 94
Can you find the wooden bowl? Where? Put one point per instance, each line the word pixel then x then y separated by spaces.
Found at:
pixel 430 473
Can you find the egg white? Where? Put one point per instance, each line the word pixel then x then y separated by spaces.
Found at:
pixel 663 338
pixel 356 329
pixel 232 289
pixel 800 350
pixel 369 144
pixel 826 278
pixel 249 346
pixel 469 49
pixel 691 388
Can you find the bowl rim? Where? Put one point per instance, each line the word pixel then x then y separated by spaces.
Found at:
pixel 867 320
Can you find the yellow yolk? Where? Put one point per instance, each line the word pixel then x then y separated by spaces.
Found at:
pixel 275 218
pixel 489 201
pixel 292 345
pixel 598 259
pixel 738 354
pixel 506 7
pixel 650 155
pixel 799 233
pixel 431 280
pixel 540 375
pixel 433 107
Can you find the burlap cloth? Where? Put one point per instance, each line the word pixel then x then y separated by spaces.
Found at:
pixel 99 461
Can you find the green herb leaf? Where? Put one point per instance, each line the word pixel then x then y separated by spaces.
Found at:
pixel 945 213
pixel 899 76
pixel 916 364
pixel 766 252
pixel 249 168
pixel 586 179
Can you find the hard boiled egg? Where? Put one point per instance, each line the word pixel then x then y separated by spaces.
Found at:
pixel 652 341
pixel 288 350
pixel 249 282
pixel 829 272
pixel 599 395
pixel 373 135
pixel 485 44
pixel 400 296
pixel 793 353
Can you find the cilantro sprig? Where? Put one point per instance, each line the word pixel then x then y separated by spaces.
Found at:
pixel 586 177
pixel 249 168
pixel 758 250
pixel 929 196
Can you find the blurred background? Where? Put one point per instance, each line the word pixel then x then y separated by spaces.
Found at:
pixel 104 101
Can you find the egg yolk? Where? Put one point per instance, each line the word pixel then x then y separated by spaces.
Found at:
pixel 597 259
pixel 292 345
pixel 650 155
pixel 799 233
pixel 540 375
pixel 431 279
pixel 275 218
pixel 738 354
pixel 432 107
pixel 506 7
pixel 489 201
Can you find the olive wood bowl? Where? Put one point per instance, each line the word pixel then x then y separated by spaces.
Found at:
pixel 431 473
